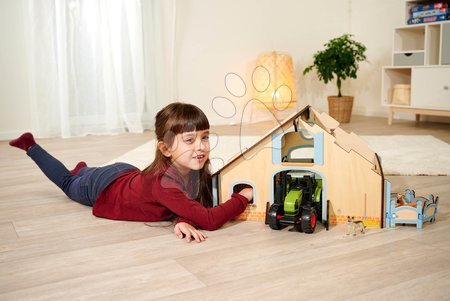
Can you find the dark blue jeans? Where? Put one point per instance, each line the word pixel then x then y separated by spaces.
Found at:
pixel 83 188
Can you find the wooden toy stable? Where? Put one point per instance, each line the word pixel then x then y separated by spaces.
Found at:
pixel 352 178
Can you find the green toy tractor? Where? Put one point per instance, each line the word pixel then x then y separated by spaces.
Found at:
pixel 298 201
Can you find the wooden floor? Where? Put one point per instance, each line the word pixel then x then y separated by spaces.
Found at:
pixel 54 249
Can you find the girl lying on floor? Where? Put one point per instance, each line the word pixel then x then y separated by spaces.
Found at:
pixel 175 185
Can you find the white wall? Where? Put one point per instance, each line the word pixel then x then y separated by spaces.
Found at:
pixel 372 23
pixel 215 37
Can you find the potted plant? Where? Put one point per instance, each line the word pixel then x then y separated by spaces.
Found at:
pixel 338 60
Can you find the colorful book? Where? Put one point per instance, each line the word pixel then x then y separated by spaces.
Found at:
pixel 422 7
pixel 429 19
pixel 431 12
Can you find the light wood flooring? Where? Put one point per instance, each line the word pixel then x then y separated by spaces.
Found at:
pixel 54 249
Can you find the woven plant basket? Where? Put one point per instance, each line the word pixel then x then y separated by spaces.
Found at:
pixel 340 108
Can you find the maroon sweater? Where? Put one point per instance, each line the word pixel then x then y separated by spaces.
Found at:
pixel 137 197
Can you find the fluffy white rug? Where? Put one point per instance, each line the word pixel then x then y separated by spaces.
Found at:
pixel 400 155
pixel 411 155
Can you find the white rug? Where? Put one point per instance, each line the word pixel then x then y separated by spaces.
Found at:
pixel 400 155
pixel 411 155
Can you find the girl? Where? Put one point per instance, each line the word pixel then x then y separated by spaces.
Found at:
pixel 175 185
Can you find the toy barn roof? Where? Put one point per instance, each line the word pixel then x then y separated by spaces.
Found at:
pixel 347 141
pixel 292 118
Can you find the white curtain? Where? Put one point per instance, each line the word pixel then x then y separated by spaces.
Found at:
pixel 160 53
pixel 89 69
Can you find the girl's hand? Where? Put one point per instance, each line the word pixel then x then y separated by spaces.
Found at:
pixel 184 230
pixel 248 193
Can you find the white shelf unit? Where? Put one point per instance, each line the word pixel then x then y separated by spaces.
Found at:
pixel 421 59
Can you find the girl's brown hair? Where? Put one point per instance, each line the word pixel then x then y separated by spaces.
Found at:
pixel 177 118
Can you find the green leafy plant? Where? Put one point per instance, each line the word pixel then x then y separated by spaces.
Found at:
pixel 339 59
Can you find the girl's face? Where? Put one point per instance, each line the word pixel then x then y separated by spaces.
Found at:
pixel 189 151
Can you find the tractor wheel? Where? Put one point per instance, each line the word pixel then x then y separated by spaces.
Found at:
pixel 309 219
pixel 274 211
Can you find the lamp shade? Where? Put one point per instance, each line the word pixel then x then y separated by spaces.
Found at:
pixel 273 80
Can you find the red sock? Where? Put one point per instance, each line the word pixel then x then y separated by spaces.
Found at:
pixel 23 142
pixel 77 168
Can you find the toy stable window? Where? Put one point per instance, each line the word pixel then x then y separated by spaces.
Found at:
pixel 241 185
pixel 298 147
pixel 301 149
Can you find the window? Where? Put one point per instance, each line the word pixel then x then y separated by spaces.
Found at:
pixel 241 185
pixel 297 146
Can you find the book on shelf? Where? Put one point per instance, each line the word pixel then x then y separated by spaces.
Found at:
pixel 429 19
pixel 431 12
pixel 429 6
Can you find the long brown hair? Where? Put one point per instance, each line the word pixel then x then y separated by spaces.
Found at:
pixel 177 118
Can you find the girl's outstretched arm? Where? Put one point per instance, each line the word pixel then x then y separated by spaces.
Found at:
pixel 185 230
pixel 189 210
pixel 247 193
